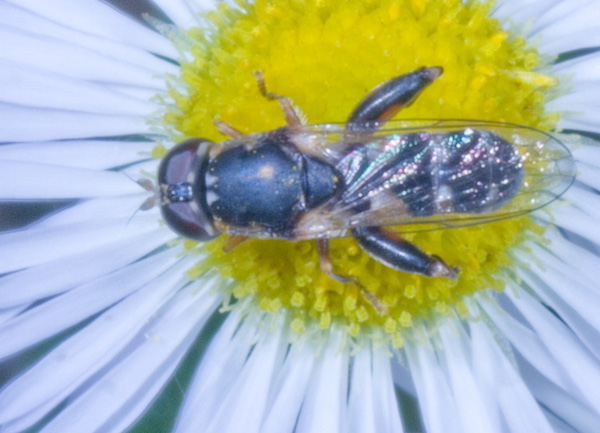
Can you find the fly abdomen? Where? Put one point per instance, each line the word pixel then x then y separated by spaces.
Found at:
pixel 467 171
pixel 480 172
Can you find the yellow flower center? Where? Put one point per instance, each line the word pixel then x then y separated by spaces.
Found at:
pixel 326 56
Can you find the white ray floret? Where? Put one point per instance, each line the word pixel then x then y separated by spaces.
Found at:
pixel 78 363
pixel 71 270
pixel 436 402
pixel 79 303
pixel 372 405
pixel 34 24
pixel 324 407
pixel 289 389
pixel 156 355
pixel 222 364
pixel 90 154
pixel 99 19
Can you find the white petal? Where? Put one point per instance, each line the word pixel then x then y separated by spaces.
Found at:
pixel 77 360
pixel 562 26
pixel 475 412
pixel 581 70
pixel 19 123
pixel 7 314
pixel 575 299
pixel 568 26
pixel 247 397
pixel 558 424
pixel 361 407
pixel 134 382
pixel 179 12
pixel 587 150
pixel 142 93
pixel 64 311
pixel 585 200
pixel 587 174
pixel 37 88
pixel 38 245
pixel 574 220
pixel 24 423
pixel 387 413
pixel 100 19
pixel 11 15
pixel 372 405
pixel 71 60
pixel 579 108
pixel 125 208
pixel 403 379
pixel 575 256
pixel 218 370
pixel 563 346
pixel 576 113
pixel 528 344
pixel 519 11
pixel 578 122
pixel 583 93
pixel 438 406
pixel 579 416
pixel 93 154
pixel 64 273
pixel 500 379
pixel 289 389
pixel 324 407
pixel 29 180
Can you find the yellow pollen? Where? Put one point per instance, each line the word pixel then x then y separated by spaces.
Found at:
pixel 397 341
pixel 297 326
pixel 405 319
pixel 534 78
pixel 326 56
pixel 390 325
pixel 297 299
pixel 158 151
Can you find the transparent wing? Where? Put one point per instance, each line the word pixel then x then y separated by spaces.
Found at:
pixel 435 174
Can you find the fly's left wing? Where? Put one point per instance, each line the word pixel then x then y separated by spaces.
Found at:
pixel 428 175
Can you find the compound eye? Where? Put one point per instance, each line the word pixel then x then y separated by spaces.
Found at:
pixel 184 220
pixel 180 162
pixel 181 180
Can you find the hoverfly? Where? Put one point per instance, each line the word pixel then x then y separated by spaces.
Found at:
pixel 353 179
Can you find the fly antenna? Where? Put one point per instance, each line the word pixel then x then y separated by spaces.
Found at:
pixel 150 202
pixel 146 205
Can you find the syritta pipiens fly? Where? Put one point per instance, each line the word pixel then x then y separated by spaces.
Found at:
pixel 354 179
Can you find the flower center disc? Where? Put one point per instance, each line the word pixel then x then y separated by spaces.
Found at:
pixel 326 56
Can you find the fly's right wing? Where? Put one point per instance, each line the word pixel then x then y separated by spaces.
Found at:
pixel 429 175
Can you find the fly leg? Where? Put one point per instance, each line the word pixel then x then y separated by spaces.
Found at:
pixel 385 100
pixel 327 269
pixel 397 253
pixel 292 117
pixel 226 129
pixel 232 242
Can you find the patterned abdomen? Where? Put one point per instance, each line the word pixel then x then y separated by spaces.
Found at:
pixel 466 171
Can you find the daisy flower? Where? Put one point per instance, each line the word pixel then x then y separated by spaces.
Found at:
pixel 110 322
